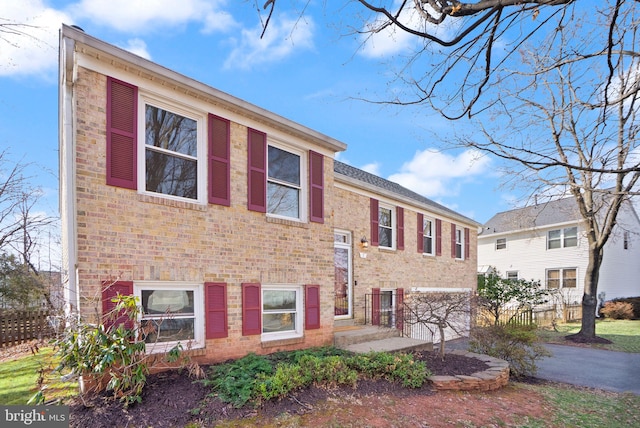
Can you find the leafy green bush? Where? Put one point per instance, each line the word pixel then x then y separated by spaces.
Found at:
pixel 255 378
pixel 516 344
pixel 235 382
pixel 392 367
pixel 617 310
pixel 116 353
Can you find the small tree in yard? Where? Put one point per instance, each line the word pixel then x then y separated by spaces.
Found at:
pixel 517 344
pixel 439 311
pixel 498 296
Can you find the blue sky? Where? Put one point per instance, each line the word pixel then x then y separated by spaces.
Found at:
pixel 307 68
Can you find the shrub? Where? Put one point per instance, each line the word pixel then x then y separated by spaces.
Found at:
pixel 116 353
pixel 393 367
pixel 235 382
pixel 518 345
pixel 617 310
pixel 635 303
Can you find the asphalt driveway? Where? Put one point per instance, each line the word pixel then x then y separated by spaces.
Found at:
pixel 593 368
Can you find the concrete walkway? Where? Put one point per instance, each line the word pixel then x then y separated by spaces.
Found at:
pixel 593 368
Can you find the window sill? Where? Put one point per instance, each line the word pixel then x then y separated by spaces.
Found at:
pixel 158 200
pixel 282 342
pixel 276 220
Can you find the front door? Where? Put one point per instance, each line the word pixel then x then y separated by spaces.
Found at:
pixel 343 275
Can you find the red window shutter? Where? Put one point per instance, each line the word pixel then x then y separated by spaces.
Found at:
pixel 438 237
pixel 400 227
pixel 219 161
pixel 375 306
pixel 251 309
pixel 215 302
pixel 122 107
pixel 257 170
pixel 312 307
pixel 467 246
pixel 420 233
pixel 316 187
pixel 400 309
pixel 375 221
pixel 453 240
pixel 109 291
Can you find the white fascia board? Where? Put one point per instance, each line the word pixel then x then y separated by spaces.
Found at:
pixel 530 229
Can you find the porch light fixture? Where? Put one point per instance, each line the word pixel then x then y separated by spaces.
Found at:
pixel 364 243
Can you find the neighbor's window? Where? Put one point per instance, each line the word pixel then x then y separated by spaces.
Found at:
pixel 170 153
pixel 501 243
pixel 553 278
pixel 562 278
pixel 171 314
pixel 512 274
pixel 386 219
pixel 569 278
pixel 459 242
pixel 428 236
pixel 560 238
pixel 281 312
pixel 284 191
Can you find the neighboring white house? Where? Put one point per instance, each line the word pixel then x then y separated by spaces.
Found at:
pixel 547 242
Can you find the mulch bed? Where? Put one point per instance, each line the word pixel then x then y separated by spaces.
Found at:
pixel 173 399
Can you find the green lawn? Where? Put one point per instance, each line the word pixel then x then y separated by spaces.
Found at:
pixel 18 379
pixel 624 334
pixel 576 407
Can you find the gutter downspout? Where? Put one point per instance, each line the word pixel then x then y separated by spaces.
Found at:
pixel 67 192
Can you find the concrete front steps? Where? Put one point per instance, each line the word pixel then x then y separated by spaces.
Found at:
pixel 362 339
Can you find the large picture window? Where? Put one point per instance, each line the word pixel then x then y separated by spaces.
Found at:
pixel 284 191
pixel 171 314
pixel 172 158
pixel 281 312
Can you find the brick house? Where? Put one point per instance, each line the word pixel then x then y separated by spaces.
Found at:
pixel 230 217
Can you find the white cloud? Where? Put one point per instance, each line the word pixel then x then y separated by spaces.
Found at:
pixel 432 173
pixel 138 47
pixel 377 43
pixel 371 168
pixel 284 37
pixel 143 16
pixel 29 40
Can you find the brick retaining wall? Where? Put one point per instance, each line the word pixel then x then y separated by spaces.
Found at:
pixel 495 377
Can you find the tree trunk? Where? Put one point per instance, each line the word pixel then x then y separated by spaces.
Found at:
pixel 589 298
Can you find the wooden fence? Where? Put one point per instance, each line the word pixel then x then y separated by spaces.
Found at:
pixel 17 327
pixel 542 317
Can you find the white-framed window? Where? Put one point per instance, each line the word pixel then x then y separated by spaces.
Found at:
pixel 512 274
pixel 386 226
pixel 282 312
pixel 459 243
pixel 429 247
pixel 562 278
pixel 285 191
pixel 562 238
pixel 501 243
pixel 172 313
pixel 172 160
